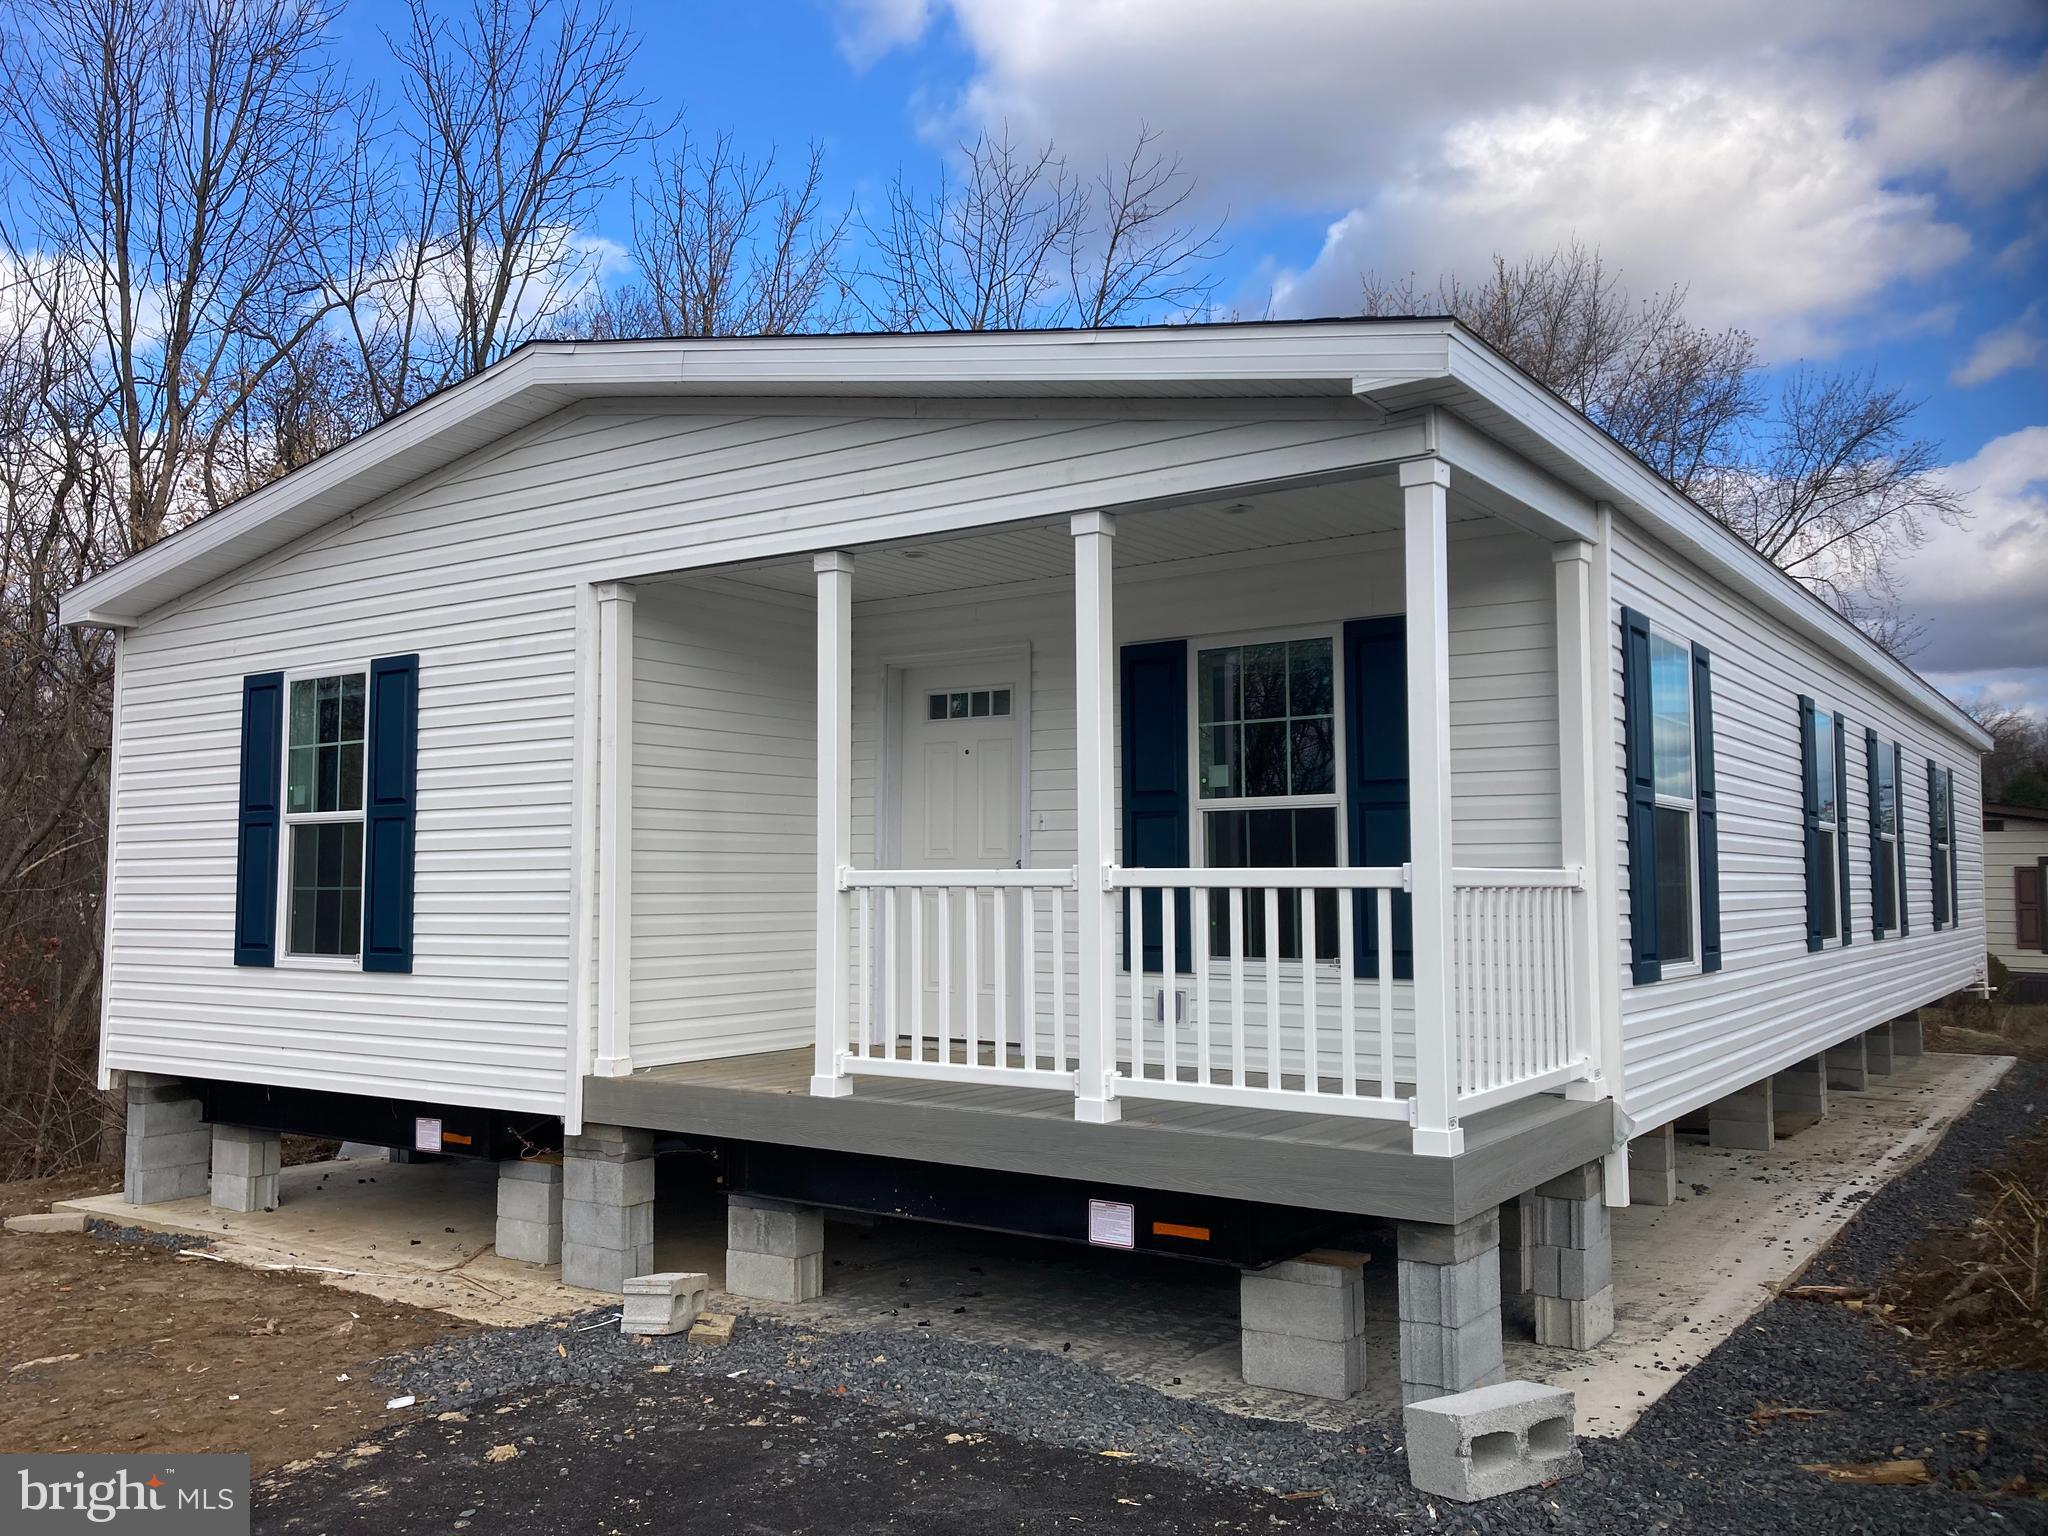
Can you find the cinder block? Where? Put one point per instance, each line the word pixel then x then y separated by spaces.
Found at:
pixel 524 1198
pixel 1877 1050
pixel 155 1186
pixel 1583 1273
pixel 242 1192
pixel 608 1143
pixel 1432 1243
pixel 163 1116
pixel 772 1277
pixel 1543 1268
pixel 1743 1120
pixel 246 1152
pixel 154 1088
pixel 604 1269
pixel 1582 1183
pixel 1845 1066
pixel 1564 1223
pixel 1303 1311
pixel 773 1227
pixel 608 1226
pixel 1331 1368
pixel 1653 1168
pixel 1802 1089
pixel 1448 1294
pixel 1909 1038
pixel 663 1303
pixel 602 1181
pixel 530 1242
pixel 1493 1440
pixel 1564 1323
pixel 1452 1359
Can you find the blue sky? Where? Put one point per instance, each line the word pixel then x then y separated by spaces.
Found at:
pixel 1860 184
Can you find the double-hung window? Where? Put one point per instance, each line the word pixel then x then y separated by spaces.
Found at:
pixel 1884 835
pixel 1827 802
pixel 1266 775
pixel 1671 712
pixel 322 891
pixel 1941 818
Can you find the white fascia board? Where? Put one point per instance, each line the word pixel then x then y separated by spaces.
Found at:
pixel 1640 493
pixel 1542 504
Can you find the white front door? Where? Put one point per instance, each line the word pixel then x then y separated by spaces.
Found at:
pixel 959 804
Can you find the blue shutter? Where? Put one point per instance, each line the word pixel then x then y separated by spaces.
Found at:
pixel 1934 870
pixel 1154 684
pixel 1642 797
pixel 1376 780
pixel 1842 823
pixel 256 840
pixel 1880 866
pixel 1899 842
pixel 1809 781
pixel 388 807
pixel 1708 809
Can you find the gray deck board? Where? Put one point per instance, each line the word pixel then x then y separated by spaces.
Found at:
pixel 1327 1162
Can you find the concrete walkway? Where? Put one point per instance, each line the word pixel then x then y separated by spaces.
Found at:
pixel 1685 1276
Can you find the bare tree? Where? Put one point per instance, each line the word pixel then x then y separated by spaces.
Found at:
pixel 1017 240
pixel 177 170
pixel 2016 767
pixel 517 118
pixel 722 248
pixel 1827 481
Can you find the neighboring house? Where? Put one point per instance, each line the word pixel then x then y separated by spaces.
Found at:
pixel 2016 891
pixel 1183 788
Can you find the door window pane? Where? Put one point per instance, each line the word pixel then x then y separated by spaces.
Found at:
pixel 326 888
pixel 1671 716
pixel 1674 884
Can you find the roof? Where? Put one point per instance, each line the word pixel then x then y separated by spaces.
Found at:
pixel 2015 812
pixel 1388 364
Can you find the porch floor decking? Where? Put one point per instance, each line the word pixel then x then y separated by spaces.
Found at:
pixel 1320 1162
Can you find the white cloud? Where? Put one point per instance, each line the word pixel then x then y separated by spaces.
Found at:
pixel 870 28
pixel 1983 588
pixel 1752 148
pixel 2016 345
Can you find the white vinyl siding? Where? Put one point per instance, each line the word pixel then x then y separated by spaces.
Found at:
pixel 1691 1040
pixel 2020 844
pixel 476 567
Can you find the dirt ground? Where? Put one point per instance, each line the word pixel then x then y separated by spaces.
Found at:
pixel 118 1347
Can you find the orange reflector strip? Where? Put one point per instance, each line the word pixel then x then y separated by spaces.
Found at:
pixel 1175 1229
pixel 456 1137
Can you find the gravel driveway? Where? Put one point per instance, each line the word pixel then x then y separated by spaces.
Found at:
pixel 861 1422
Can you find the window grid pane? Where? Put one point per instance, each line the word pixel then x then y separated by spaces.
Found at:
pixel 324 748
pixel 1824 765
pixel 1674 884
pixel 326 888
pixel 1671 717
pixel 1304 838
pixel 1265 719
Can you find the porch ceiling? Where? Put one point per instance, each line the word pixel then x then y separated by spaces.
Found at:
pixel 1043 550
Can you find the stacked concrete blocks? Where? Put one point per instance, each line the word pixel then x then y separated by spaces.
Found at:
pixel 664 1303
pixel 530 1210
pixel 1494 1440
pixel 1909 1037
pixel 607 1207
pixel 1803 1089
pixel 1653 1167
pixel 774 1251
pixel 1745 1120
pixel 1574 1261
pixel 1448 1278
pixel 167 1147
pixel 245 1167
pixel 1847 1068
pixel 1303 1324
pixel 1877 1050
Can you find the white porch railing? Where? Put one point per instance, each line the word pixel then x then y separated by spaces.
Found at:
pixel 1281 993
pixel 963 975
pixel 1516 1012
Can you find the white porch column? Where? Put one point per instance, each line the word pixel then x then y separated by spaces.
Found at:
pixel 835 814
pixel 1579 781
pixel 1425 487
pixel 614 1056
pixel 1094 757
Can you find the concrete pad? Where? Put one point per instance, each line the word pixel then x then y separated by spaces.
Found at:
pixel 1704 1264
pixel 48 1221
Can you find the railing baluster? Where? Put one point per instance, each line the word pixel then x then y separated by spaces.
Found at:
pixel 917 917
pixel 972 996
pixel 1237 1063
pixel 1311 1033
pixel 999 941
pixel 1348 908
pixel 945 941
pixel 1271 908
pixel 1134 922
pixel 1060 1058
pixel 1383 972
pixel 864 999
pixel 1169 975
pixel 1027 957
pixel 1199 913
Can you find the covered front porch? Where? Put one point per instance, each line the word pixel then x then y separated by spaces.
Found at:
pixel 1267 818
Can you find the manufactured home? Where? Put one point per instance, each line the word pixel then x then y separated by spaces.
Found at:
pixel 2016 893
pixel 1189 789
